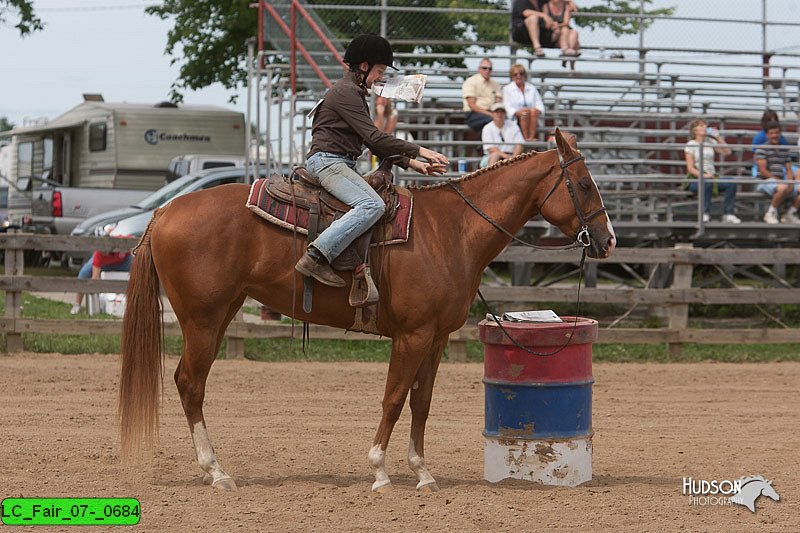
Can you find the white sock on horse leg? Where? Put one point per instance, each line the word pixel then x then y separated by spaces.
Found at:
pixel 377 460
pixel 417 464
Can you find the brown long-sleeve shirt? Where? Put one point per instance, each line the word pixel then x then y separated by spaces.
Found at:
pixel 342 124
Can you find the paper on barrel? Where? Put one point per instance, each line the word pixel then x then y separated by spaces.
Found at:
pixel 408 88
pixel 546 315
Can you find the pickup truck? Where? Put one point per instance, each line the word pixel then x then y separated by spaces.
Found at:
pixel 58 210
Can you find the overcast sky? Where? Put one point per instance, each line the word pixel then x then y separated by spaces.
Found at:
pixel 90 46
pixel 111 47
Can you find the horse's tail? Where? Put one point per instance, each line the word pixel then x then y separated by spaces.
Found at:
pixel 142 366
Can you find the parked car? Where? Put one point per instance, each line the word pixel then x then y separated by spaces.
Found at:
pixel 183 165
pixel 105 222
pixel 4 223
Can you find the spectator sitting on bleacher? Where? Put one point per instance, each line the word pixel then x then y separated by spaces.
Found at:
pixel 761 137
pixel 385 115
pixel 480 91
pixel 567 37
pixel 532 25
pixel 501 138
pixel 712 181
pixel 523 102
pixel 775 165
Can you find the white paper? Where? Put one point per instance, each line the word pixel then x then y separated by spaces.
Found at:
pixel 408 88
pixel 310 114
pixel 546 315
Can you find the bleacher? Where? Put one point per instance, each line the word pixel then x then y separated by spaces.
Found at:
pixel 630 108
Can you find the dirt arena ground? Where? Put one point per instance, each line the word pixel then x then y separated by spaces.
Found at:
pixel 295 439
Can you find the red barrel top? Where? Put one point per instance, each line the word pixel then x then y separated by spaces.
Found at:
pixel 506 362
pixel 532 334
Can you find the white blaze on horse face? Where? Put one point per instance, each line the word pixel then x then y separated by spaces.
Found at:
pixel 417 464
pixel 377 459
pixel 206 457
pixel 613 243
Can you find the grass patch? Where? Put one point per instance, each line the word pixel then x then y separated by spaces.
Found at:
pixel 317 350
pixel 373 350
pixel 695 353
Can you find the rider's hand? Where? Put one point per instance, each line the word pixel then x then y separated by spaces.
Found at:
pixel 426 168
pixel 433 157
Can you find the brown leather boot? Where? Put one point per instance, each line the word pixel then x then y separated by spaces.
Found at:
pixel 318 268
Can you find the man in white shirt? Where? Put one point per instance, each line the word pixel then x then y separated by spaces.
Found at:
pixel 501 138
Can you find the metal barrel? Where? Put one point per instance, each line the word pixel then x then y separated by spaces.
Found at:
pixel 538 409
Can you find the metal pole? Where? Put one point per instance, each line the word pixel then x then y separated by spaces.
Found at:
pixel 247 134
pixel 268 140
pixel 293 46
pixel 292 118
pixel 641 49
pixel 763 27
pixel 641 27
pixel 701 190
pixel 260 29
pixel 384 16
pixel 259 66
pixel 279 155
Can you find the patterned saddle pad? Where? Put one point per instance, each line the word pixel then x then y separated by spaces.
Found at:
pixel 271 199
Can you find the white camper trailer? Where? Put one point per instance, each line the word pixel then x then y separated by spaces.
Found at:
pixel 109 145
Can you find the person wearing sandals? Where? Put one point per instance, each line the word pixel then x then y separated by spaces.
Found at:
pixel 531 25
pixel 560 11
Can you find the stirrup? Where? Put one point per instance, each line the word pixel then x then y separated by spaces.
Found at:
pixel 363 292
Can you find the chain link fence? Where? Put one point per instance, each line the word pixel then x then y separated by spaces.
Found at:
pixel 726 38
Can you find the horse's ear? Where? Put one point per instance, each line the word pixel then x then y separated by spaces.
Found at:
pixel 564 147
pixel 566 139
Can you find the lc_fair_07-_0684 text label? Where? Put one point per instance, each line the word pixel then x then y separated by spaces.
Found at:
pixel 70 511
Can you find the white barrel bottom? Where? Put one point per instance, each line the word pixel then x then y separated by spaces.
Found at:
pixel 564 462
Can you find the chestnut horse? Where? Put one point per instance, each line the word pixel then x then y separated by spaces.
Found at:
pixel 209 253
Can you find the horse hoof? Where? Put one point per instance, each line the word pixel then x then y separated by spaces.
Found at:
pixel 429 487
pixel 225 484
pixel 208 479
pixel 383 488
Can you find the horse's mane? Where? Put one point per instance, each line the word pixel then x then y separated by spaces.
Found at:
pixel 748 479
pixel 479 172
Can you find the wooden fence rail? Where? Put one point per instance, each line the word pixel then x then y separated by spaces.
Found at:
pixel 675 299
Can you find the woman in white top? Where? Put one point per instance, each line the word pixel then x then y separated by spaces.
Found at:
pixel 523 102
pixel 710 140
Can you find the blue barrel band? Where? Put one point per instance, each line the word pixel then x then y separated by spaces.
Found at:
pixel 514 410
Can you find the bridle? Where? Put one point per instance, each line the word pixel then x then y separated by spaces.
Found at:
pixel 583 235
pixel 582 240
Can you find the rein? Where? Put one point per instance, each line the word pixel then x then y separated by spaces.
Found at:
pixel 582 240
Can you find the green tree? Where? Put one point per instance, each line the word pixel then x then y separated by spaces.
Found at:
pixel 6 124
pixel 22 12
pixel 619 26
pixel 208 38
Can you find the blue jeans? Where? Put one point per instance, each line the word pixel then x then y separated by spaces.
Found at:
pixel 726 188
pixel 337 175
pixel 86 270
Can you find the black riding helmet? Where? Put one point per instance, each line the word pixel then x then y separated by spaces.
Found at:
pixel 371 48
